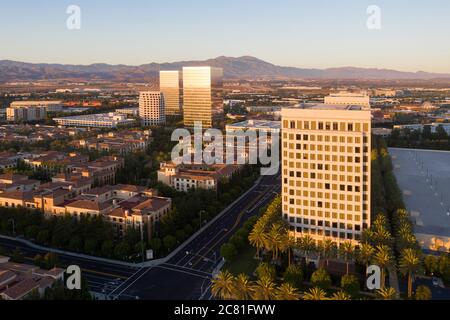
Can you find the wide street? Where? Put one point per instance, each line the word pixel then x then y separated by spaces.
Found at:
pixel 187 274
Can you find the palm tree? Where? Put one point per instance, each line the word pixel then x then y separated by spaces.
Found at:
pixel 264 289
pixel 383 258
pixel 341 295
pixel 275 239
pixel 387 293
pixel 257 238
pixel 242 287
pixel 287 292
pixel 315 294
pixel 328 249
pixel 365 254
pixel 287 245
pixel 223 286
pixel 409 264
pixel 308 245
pixel 347 250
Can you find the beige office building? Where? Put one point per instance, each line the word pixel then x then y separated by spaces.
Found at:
pixel 326 171
pixel 152 108
pixel 170 85
pixel 202 96
pixel 348 98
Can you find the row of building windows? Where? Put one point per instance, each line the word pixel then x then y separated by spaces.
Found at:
pixel 304 212
pixel 324 147
pixel 326 125
pixel 325 195
pixel 326 224
pixel 327 233
pixel 327 205
pixel 313 175
pixel 325 138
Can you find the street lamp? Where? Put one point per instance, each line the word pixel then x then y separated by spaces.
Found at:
pixel 200 213
pixel 13 226
pixel 142 241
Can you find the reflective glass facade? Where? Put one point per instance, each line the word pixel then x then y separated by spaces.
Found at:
pixel 202 96
pixel 170 83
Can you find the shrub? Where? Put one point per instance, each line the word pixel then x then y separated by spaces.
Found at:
pixel 321 279
pixel 350 284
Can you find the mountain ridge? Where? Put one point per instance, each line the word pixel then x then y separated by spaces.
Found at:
pixel 244 67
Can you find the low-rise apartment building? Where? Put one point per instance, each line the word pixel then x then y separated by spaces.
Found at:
pixel 196 176
pixel 18 281
pixel 121 142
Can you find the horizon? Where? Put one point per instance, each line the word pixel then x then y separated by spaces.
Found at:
pixel 228 57
pixel 140 32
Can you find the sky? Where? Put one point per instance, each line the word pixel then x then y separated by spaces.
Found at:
pixel 414 34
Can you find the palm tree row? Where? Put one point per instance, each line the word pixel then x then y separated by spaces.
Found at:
pixel 228 287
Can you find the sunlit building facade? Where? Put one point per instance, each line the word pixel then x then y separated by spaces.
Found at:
pixel 326 171
pixel 152 108
pixel 202 96
pixel 170 85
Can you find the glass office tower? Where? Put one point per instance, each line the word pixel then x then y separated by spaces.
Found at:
pixel 170 84
pixel 202 96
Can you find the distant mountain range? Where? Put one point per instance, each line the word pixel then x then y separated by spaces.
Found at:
pixel 234 68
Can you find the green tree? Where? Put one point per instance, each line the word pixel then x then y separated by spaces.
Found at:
pixel 383 258
pixel 321 279
pixel 423 293
pixel 315 294
pixel 228 251
pixel 169 242
pixel 264 289
pixel 242 286
pixel 347 250
pixel 266 270
pixel 365 254
pixel 257 238
pixel 294 276
pixel 431 264
pixel 350 284
pixel 223 286
pixel 341 295
pixel 386 293
pixel 409 265
pixel 286 292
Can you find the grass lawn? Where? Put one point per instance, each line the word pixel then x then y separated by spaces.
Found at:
pixel 244 262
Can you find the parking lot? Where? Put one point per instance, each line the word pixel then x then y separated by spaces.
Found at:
pixel 424 178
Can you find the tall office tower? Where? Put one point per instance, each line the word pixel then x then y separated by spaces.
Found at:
pixel 151 108
pixel 326 171
pixel 202 96
pixel 348 98
pixel 170 85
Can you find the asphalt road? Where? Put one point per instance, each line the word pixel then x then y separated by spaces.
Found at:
pixel 186 275
pixel 100 275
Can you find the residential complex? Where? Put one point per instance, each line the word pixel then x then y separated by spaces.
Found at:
pixel 170 85
pixel 18 281
pixel 121 142
pixel 202 96
pixel 99 120
pixel 326 171
pixel 195 176
pixel 152 108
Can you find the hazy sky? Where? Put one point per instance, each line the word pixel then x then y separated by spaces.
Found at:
pixel 414 35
